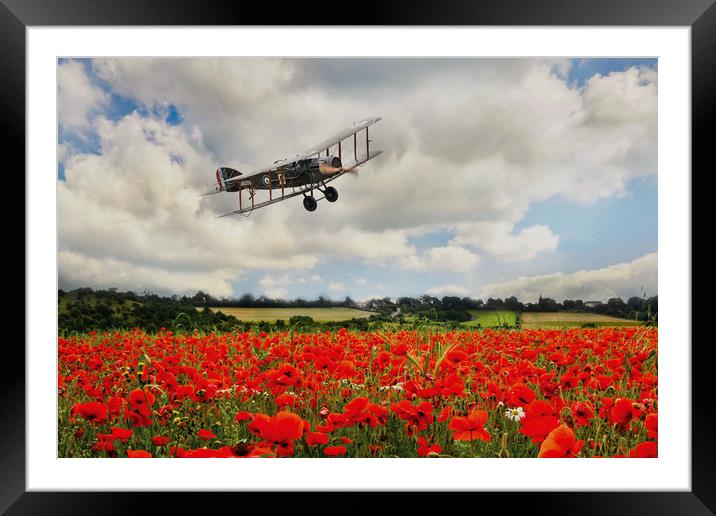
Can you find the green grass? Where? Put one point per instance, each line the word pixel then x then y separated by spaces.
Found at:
pixel 552 320
pixel 487 318
pixel 273 314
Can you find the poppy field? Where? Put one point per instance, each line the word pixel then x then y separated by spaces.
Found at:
pixel 413 393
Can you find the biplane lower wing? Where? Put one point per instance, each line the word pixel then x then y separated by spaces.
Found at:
pixel 302 190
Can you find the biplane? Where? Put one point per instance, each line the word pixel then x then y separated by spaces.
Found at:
pixel 308 174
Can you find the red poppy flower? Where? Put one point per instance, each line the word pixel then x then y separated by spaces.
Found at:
pixel 417 417
pixel 93 411
pixel 470 427
pixel 582 412
pixel 115 406
pixel 652 425
pixel 141 397
pixel 159 440
pixel 424 448
pixel 121 434
pixel 138 454
pixel 560 443
pixel 285 400
pixel 520 395
pixel 454 357
pixel 356 406
pixel 282 428
pixel 314 438
pixel 334 451
pixel 444 414
pixel 242 415
pixel 539 421
pixel 621 412
pixel 645 450
pixel 399 349
pixel 569 382
pixel 104 445
pixel 206 435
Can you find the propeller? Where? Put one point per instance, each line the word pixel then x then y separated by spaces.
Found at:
pixel 329 170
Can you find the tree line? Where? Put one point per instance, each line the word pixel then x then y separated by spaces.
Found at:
pixel 85 308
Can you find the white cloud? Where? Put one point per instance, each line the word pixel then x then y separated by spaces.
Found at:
pixel 449 290
pixel 444 259
pixel 621 280
pixel 453 259
pixel 336 286
pixel 498 238
pixel 276 293
pixel 78 270
pixel 77 97
pixel 360 281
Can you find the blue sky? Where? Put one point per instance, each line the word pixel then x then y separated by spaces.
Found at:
pixel 519 230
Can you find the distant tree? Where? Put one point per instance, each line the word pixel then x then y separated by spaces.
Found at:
pixel 407 302
pixel 637 304
pixel 512 303
pixel 451 302
pixel 495 304
pixel 547 304
pixel 471 304
pixel 384 305
pixel 247 301
pixel 430 301
pixel 568 304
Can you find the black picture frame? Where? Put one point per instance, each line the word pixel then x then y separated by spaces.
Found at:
pixel 700 15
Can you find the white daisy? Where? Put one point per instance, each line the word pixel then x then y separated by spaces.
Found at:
pixel 515 414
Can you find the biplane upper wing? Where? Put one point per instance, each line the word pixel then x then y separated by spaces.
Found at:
pixel 333 140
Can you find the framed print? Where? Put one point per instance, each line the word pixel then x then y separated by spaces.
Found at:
pixel 420 253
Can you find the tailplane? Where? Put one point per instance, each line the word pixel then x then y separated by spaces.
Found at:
pixel 223 179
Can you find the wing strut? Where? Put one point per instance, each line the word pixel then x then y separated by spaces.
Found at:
pixel 282 179
pixel 367 150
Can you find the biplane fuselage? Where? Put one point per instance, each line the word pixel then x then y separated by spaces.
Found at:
pixel 307 172
pixel 300 173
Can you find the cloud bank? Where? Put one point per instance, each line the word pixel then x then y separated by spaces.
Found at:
pixel 638 277
pixel 469 146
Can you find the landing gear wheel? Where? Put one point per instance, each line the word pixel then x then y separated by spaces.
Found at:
pixel 331 194
pixel 310 203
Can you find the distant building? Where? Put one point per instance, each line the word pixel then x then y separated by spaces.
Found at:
pixel 592 304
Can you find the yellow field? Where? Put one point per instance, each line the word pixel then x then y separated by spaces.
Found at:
pixel 273 314
pixel 534 320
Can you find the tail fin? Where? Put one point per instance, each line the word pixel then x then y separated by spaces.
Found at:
pixel 223 176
